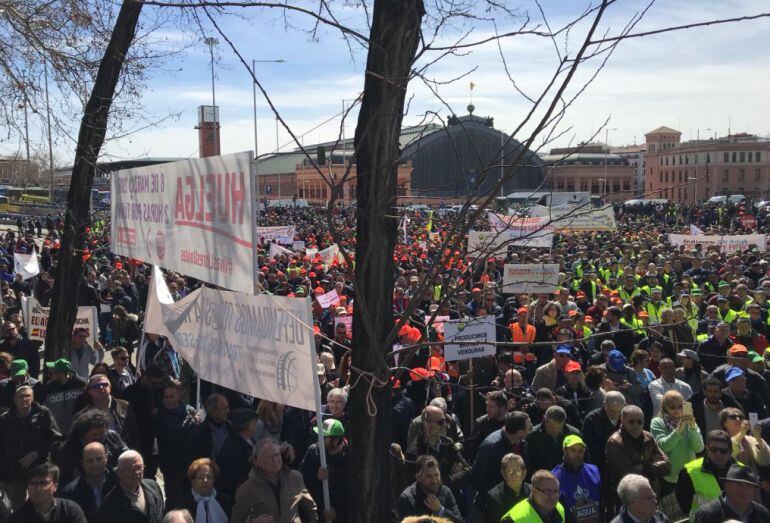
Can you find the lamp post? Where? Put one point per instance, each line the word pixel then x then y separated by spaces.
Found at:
pixel 697 161
pixel 254 96
pixel 606 157
pixel 48 117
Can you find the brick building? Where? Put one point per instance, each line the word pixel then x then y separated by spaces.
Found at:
pixel 699 169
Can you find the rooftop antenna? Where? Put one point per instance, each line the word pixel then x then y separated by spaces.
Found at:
pixel 729 125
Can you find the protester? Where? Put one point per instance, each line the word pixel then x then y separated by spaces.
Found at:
pixel 737 502
pixel 542 504
pixel 41 505
pixel 336 471
pixel 544 443
pixel 639 502
pixel 579 482
pixel 134 498
pixel 90 488
pixel 490 508
pixel 485 472
pixel 203 501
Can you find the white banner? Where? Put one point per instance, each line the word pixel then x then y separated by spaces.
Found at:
pixel 36 320
pixel 26 265
pixel 273 233
pixel 530 278
pixel 255 345
pixel 487 243
pixel 193 216
pixel 725 243
pixel 298 245
pixel 277 250
pixel 474 332
pixel 573 218
pixel 438 322
pixel 328 299
pixel 329 254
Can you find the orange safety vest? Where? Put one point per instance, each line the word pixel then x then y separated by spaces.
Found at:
pixel 518 336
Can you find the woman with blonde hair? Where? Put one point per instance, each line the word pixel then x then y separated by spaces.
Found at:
pixel 679 437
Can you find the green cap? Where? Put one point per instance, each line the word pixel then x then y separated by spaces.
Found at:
pixel 723 284
pixel 754 357
pixel 571 440
pixel 299 290
pixel 19 368
pixel 696 291
pixel 60 365
pixel 332 427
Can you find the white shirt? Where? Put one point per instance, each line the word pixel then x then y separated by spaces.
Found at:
pixel 660 386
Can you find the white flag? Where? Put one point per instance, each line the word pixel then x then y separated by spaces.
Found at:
pixel 694 230
pixel 277 250
pixel 26 265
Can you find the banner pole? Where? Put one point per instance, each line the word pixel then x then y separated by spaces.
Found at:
pixel 318 414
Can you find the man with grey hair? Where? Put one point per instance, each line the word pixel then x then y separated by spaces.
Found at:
pixel 453 430
pixel 135 498
pixel 598 426
pixel 633 450
pixel 639 502
pixel 178 516
pixel 545 440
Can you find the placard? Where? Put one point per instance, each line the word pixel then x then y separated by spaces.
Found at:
pixel 474 332
pixel 530 278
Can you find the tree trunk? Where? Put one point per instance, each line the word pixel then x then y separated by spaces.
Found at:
pixel 393 43
pixel 93 126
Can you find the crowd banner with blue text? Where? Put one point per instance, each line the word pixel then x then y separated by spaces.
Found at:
pixel 572 218
pixel 193 216
pixel 530 278
pixel 257 345
pixel 739 242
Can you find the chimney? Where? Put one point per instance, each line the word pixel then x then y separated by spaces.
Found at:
pixel 208 131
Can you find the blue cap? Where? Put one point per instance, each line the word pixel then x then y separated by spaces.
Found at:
pixel 733 372
pixel 616 360
pixel 563 349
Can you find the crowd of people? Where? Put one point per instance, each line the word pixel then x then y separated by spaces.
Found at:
pixel 637 391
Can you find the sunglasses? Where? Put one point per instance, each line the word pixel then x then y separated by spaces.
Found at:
pixel 719 450
pixel 100 386
pixel 441 421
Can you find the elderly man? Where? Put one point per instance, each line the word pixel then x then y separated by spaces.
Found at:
pixel 633 450
pixel 543 503
pixel 427 496
pixel 640 504
pixel 600 424
pixel 28 433
pixel 206 439
pixel 737 394
pixel 96 481
pixel 273 492
pixel 500 498
pixel 485 473
pixel 135 499
pixel 667 382
pixel 545 441
pixel 41 505
pixel 19 375
pixel 741 486
pixel 551 375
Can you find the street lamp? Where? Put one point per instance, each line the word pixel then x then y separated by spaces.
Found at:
pixel 697 161
pixel 606 157
pixel 254 95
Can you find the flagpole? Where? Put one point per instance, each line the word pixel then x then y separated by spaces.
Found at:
pixel 318 413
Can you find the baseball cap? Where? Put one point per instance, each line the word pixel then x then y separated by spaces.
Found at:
pixel 616 360
pixel 689 353
pixel 563 349
pixel 60 365
pixel 754 357
pixel 737 349
pixel 732 373
pixel 19 368
pixel 522 310
pixel 572 440
pixel 332 427
pixel 573 366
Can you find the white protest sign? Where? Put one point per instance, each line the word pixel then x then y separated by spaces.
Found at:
pixel 328 299
pixel 487 243
pixel 36 320
pixel 725 243
pixel 524 232
pixel 438 323
pixel 277 250
pixel 345 320
pixel 194 216
pixel 26 265
pixel 330 254
pixel 274 233
pixel 256 345
pixel 298 245
pixel 530 278
pixel 474 332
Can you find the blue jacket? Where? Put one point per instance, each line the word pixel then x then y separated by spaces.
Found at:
pixel 485 473
pixel 580 490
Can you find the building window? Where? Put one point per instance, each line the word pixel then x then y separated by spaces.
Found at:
pixel 742 156
pixel 757 156
pixel 570 186
pixel 666 160
pixel 685 193
pixel 679 192
pixel 726 158
pixel 725 175
pixel 733 158
pixel 687 160
pixel 660 176
pixel 583 186
pixel 708 157
pixel 626 186
pixel 665 176
pixel 757 174
pixel 741 174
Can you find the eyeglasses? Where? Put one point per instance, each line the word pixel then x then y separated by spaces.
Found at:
pixel 99 386
pixel 735 417
pixel 635 421
pixel 719 450
pixel 549 492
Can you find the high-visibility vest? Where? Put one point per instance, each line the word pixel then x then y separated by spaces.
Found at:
pixel 524 512
pixel 704 484
pixel 729 317
pixel 654 311
pixel 635 324
pixel 517 336
pixel 626 296
pixel 606 274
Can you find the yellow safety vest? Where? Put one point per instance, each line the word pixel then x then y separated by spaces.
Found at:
pixel 524 512
pixel 704 483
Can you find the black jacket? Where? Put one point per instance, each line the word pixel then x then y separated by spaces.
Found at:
pixel 624 517
pixel 751 402
pixel 545 452
pixel 685 490
pixel 338 473
pixel 121 413
pixel 143 400
pixel 454 468
pixel 411 502
pixel 36 432
pixel 717 511
pixel 79 491
pixel 116 507
pixel 233 464
pixel 597 429
pixel 171 429
pixel 199 443
pixel 64 511
pixel 24 350
pixel 498 501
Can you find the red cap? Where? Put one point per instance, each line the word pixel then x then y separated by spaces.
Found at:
pixel 738 349
pixel 475 289
pixel 420 373
pixel 522 310
pixel 573 366
pixel 581 294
